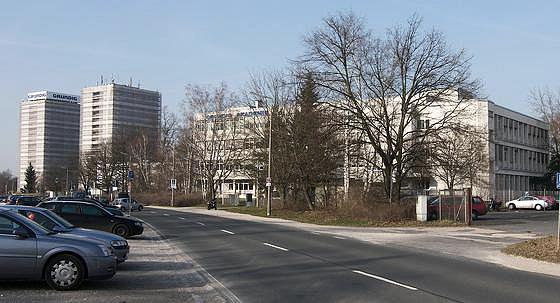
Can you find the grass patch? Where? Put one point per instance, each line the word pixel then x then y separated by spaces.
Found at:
pixel 543 249
pixel 330 217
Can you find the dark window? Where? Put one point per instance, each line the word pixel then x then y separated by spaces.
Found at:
pixel 38 218
pixel 70 209
pixel 7 226
pixel 91 210
pixel 50 206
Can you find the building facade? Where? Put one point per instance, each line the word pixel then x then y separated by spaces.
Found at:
pixel 49 137
pixel 516 147
pixel 112 109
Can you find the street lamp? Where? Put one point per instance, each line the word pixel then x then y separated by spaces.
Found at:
pixel 268 179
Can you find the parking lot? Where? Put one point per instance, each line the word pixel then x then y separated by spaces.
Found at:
pixel 156 272
pixel 520 221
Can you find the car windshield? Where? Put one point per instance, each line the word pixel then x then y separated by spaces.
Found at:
pixel 36 226
pixel 59 219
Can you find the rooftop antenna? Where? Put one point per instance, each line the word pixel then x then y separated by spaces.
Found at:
pixel 101 79
pixel 130 82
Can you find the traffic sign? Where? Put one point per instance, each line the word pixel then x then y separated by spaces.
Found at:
pixel 268 181
pixel 130 175
pixel 557 180
pixel 173 183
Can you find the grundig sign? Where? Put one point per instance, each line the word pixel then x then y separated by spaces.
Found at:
pixel 53 96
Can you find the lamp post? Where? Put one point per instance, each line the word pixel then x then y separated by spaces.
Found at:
pixel 268 179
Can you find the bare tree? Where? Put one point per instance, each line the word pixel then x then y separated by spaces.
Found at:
pixel 458 156
pixel 546 103
pixel 382 85
pixel 87 171
pixel 215 137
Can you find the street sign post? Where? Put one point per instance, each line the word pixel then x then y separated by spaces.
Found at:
pixel 558 223
pixel 130 175
pixel 173 184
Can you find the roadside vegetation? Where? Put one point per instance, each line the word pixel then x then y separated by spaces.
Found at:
pixel 357 217
pixel 542 249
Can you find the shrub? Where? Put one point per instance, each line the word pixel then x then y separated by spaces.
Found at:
pixel 164 199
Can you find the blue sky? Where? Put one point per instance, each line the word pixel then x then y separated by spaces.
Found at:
pixel 66 45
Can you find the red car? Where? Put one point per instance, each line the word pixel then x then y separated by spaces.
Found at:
pixel 551 201
pixel 478 206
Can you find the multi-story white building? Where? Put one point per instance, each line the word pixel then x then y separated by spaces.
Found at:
pixel 49 135
pixel 227 140
pixel 109 109
pixel 515 146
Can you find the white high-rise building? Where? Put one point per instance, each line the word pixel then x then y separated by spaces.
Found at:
pixel 109 109
pixel 49 136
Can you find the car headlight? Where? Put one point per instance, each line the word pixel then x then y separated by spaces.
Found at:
pixel 119 243
pixel 106 250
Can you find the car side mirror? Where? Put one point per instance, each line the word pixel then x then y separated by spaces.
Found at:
pixel 21 233
pixel 57 229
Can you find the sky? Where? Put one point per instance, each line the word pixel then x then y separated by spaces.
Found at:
pixel 64 46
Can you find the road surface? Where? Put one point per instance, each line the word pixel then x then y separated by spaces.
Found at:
pixel 270 263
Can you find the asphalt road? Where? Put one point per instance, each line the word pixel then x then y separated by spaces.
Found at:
pixel 521 221
pixel 270 263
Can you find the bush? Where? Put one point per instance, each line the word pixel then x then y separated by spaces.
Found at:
pixel 164 199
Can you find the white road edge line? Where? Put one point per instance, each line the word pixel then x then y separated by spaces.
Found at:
pixel 181 218
pixel 228 232
pixel 384 280
pixel 341 238
pixel 167 215
pixel 315 233
pixel 274 246
pixel 200 223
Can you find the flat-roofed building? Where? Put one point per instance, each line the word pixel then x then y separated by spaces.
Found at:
pixel 49 137
pixel 110 110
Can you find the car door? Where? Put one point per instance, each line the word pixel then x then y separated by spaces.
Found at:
pixel 18 256
pixel 71 212
pixel 96 218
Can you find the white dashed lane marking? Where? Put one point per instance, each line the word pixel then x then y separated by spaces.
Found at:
pixel 200 223
pixel 181 218
pixel 167 215
pixel 228 232
pixel 384 279
pixel 274 246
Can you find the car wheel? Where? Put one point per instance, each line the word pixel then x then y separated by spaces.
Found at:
pixel 140 208
pixel 538 207
pixel 474 215
pixel 121 230
pixel 64 272
pixel 511 206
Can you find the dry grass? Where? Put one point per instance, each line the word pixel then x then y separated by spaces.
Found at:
pixel 543 249
pixel 342 218
pixel 164 199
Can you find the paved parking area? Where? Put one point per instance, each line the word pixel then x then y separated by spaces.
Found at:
pixel 520 221
pixel 156 271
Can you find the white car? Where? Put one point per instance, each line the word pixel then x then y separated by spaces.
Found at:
pixel 123 205
pixel 527 202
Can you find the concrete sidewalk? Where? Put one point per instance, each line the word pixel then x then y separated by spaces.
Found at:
pixel 475 243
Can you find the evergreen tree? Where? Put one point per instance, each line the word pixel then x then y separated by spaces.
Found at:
pixel 30 179
pixel 315 150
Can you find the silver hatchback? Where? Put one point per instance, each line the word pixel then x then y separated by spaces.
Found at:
pixel 30 252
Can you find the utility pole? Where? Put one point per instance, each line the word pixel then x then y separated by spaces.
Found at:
pixel 173 183
pixel 268 179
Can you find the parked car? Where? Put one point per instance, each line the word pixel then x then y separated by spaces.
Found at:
pixel 53 222
pixel 28 200
pixel 123 204
pixel 478 207
pixel 11 200
pixel 552 202
pixel 110 208
pixel 89 215
pixel 30 252
pixel 527 202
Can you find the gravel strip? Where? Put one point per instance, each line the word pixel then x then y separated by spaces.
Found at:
pixel 156 271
